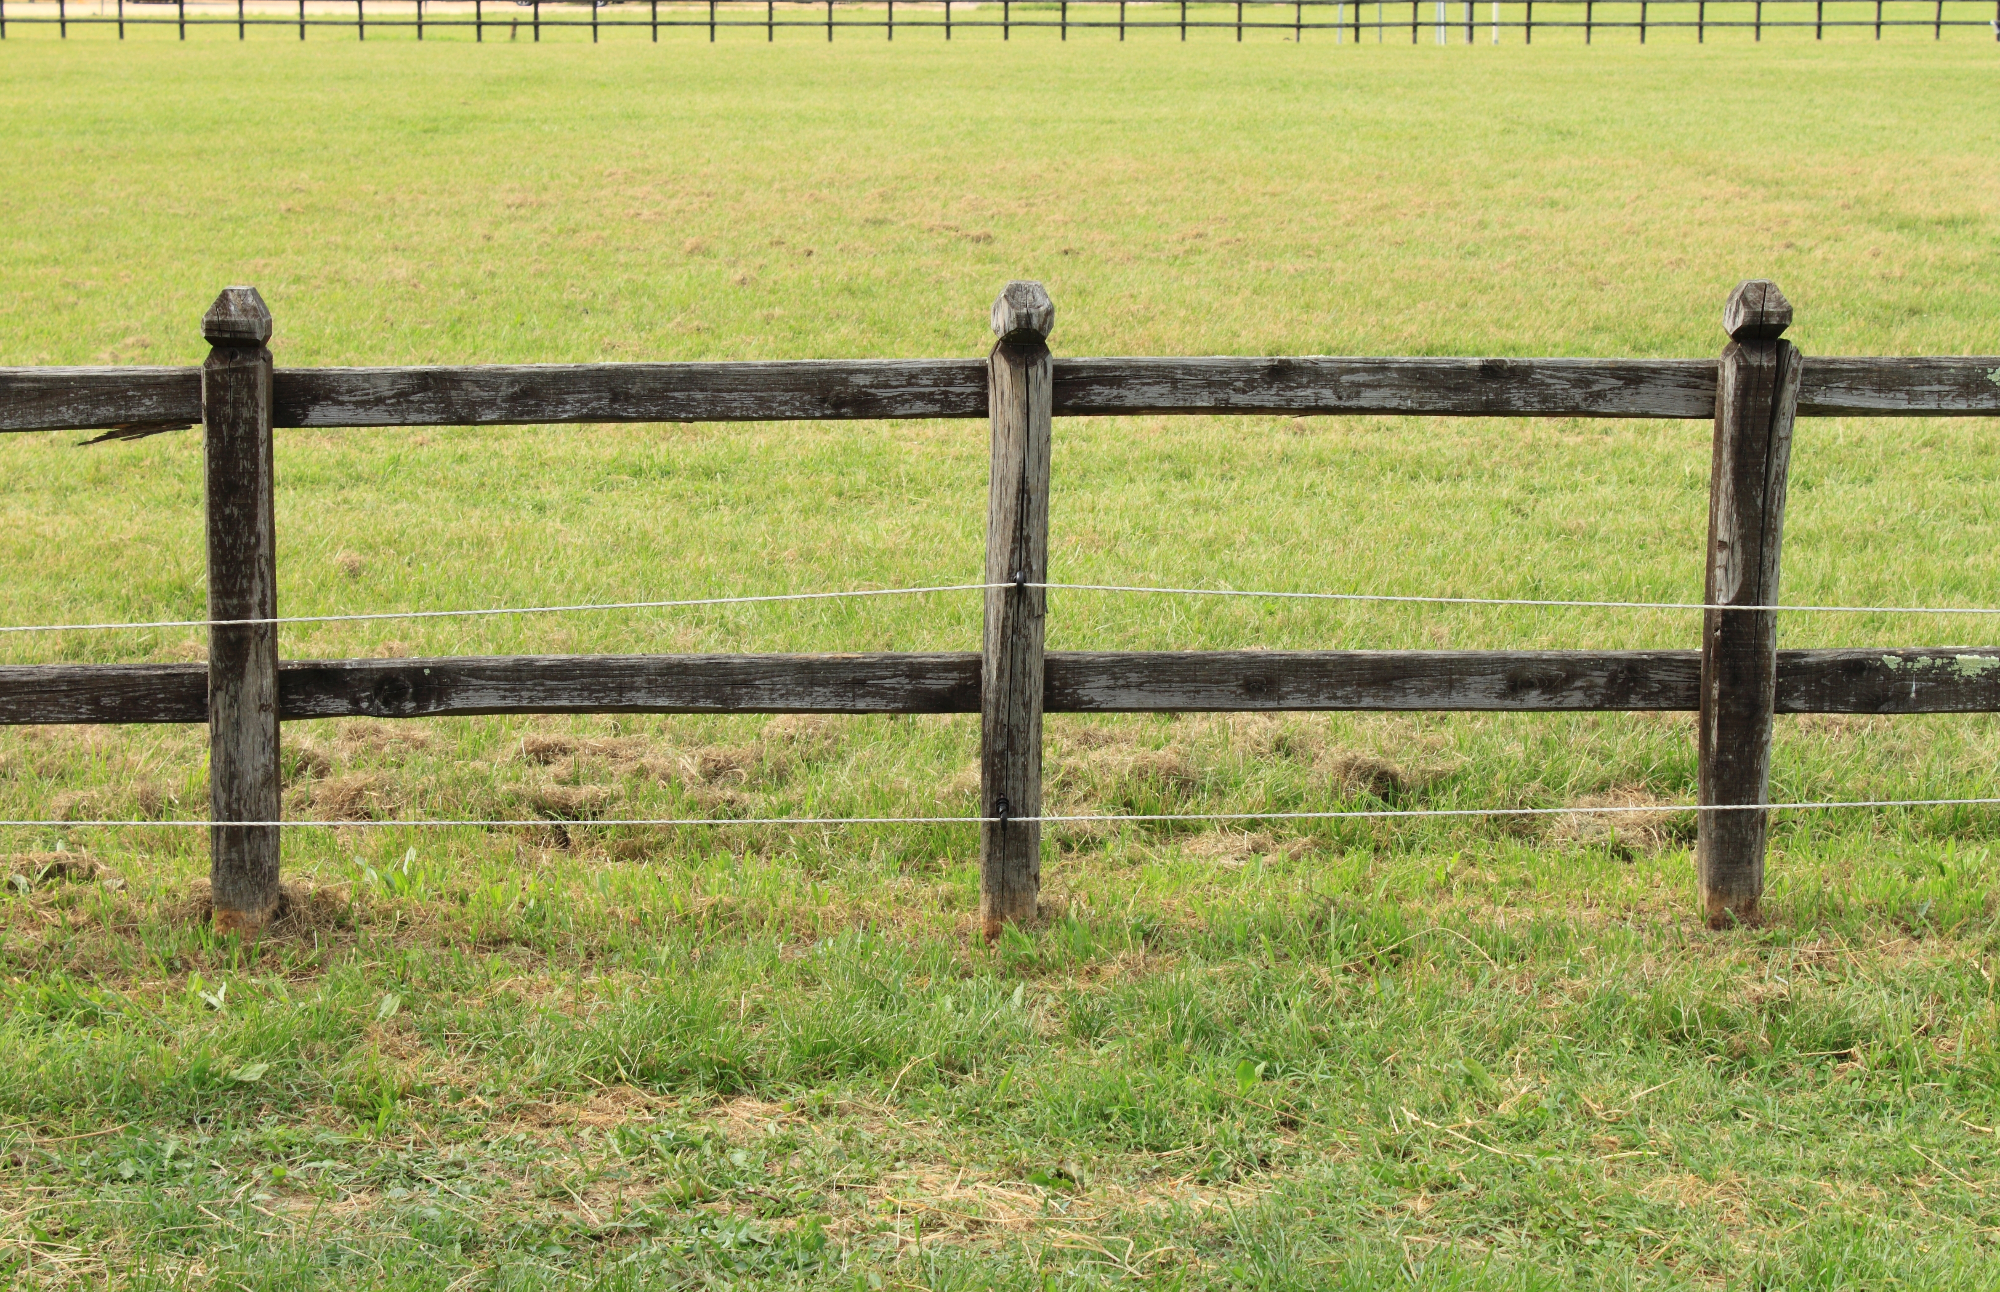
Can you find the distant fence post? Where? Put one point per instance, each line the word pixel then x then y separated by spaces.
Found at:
pixel 1756 397
pixel 243 780
pixel 1020 385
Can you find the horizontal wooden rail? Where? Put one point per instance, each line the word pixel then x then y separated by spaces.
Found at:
pixel 94 399
pixel 1809 681
pixel 534 394
pixel 79 399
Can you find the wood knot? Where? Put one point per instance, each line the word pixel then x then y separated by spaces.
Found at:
pixel 394 696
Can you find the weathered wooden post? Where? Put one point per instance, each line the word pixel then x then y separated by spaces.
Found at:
pixel 243 782
pixel 1020 389
pixel 1756 397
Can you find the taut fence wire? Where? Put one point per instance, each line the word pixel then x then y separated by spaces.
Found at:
pixel 1116 818
pixel 856 593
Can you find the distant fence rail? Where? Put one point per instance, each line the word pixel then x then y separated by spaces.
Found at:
pixel 1736 681
pixel 1438 22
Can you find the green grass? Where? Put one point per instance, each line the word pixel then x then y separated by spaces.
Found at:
pixel 1455 1054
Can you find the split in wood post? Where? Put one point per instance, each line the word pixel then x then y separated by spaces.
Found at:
pixel 1021 380
pixel 242 584
pixel 1756 398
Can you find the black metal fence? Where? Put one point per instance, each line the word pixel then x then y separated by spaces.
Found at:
pixel 1439 22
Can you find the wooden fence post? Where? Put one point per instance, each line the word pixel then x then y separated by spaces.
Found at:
pixel 1756 397
pixel 243 782
pixel 1020 392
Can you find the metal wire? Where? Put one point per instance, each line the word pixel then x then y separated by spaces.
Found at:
pixel 1512 601
pixel 507 610
pixel 983 587
pixel 1356 814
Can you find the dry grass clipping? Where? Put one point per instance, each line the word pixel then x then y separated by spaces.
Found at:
pixel 1657 826
pixel 357 796
pixel 1234 848
pixel 303 909
pixel 568 802
pixel 53 867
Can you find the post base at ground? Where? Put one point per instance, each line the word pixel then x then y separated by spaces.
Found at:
pixel 1731 911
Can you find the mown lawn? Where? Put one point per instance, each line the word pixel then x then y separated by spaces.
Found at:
pixel 1452 1053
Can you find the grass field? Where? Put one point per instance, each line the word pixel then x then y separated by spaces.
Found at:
pixel 1451 1054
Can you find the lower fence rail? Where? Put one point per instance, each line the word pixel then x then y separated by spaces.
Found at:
pixel 1909 681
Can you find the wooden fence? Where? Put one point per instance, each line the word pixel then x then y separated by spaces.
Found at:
pixel 1340 21
pixel 1736 681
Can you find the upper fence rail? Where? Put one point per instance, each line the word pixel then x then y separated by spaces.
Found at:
pixel 139 400
pixel 1443 22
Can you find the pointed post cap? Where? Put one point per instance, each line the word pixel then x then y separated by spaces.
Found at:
pixel 238 317
pixel 1757 311
pixel 1024 308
